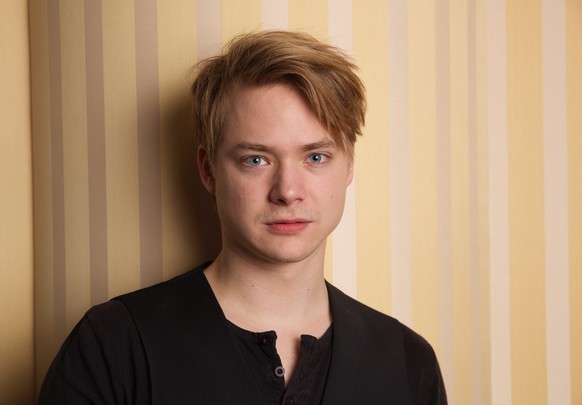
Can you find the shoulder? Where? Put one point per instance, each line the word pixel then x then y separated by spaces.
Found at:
pixel 100 359
pixel 418 349
pixel 189 290
pixel 357 313
pixel 424 374
pixel 385 334
pixel 167 292
pixel 369 317
pixel 177 313
pixel 103 317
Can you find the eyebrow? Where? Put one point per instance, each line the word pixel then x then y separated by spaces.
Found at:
pixel 256 147
pixel 319 145
pixel 251 146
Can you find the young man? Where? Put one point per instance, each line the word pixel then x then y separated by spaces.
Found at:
pixel 277 117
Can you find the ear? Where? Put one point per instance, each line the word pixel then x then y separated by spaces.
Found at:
pixel 205 170
pixel 350 173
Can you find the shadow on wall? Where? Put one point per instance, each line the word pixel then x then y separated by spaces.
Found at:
pixel 190 233
pixel 193 213
pixel 16 385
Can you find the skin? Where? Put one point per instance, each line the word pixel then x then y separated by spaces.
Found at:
pixel 279 183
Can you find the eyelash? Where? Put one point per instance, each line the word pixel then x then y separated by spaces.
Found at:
pixel 322 156
pixel 247 160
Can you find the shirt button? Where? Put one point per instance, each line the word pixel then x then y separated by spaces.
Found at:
pixel 290 400
pixel 279 371
pixel 266 340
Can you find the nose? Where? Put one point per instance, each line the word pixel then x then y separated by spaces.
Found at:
pixel 288 185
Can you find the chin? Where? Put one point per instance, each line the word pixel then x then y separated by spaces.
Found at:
pixel 288 256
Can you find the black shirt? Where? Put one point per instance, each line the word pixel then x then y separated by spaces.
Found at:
pixel 308 382
pixel 171 344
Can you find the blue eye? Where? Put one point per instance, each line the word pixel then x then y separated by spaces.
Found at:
pixel 316 158
pixel 255 161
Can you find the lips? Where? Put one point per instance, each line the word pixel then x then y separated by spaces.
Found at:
pixel 288 226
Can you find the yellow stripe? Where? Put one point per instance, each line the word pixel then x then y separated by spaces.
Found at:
pixel 423 180
pixel 240 16
pixel 75 160
pixel 121 151
pixel 310 16
pixel 574 86
pixel 176 54
pixel 16 246
pixel 373 209
pixel 526 207
pixel 460 212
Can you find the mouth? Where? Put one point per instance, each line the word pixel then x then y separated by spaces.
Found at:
pixel 288 226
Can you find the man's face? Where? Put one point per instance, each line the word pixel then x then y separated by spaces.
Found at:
pixel 278 178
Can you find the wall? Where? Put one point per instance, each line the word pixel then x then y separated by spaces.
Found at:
pixel 16 254
pixel 464 220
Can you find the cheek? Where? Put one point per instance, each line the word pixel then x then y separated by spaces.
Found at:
pixel 331 189
pixel 236 198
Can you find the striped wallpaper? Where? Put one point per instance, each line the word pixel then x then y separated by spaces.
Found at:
pixel 465 216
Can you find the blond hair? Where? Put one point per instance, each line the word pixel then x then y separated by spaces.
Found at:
pixel 321 72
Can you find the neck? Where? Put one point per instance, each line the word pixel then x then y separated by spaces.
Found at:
pixel 286 297
pixel 290 298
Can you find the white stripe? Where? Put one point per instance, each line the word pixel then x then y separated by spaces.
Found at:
pixel 556 201
pixel 275 14
pixel 208 28
pixel 340 24
pixel 400 216
pixel 444 193
pixel 344 248
pixel 475 185
pixel 498 204
pixel 344 237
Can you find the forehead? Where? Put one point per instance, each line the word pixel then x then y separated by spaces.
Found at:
pixel 272 115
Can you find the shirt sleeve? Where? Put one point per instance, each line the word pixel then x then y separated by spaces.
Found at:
pixel 101 362
pixel 424 374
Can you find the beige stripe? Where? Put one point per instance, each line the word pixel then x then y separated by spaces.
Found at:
pixel 58 204
pixel 75 162
pixel 344 237
pixel 208 28
pixel 446 227
pixel 526 202
pixel 240 16
pixel 121 147
pixel 423 177
pixel 275 14
pixel 372 191
pixel 498 204
pixel 399 156
pixel 96 148
pixel 148 129
pixel 45 342
pixel 481 72
pixel 574 106
pixel 556 202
